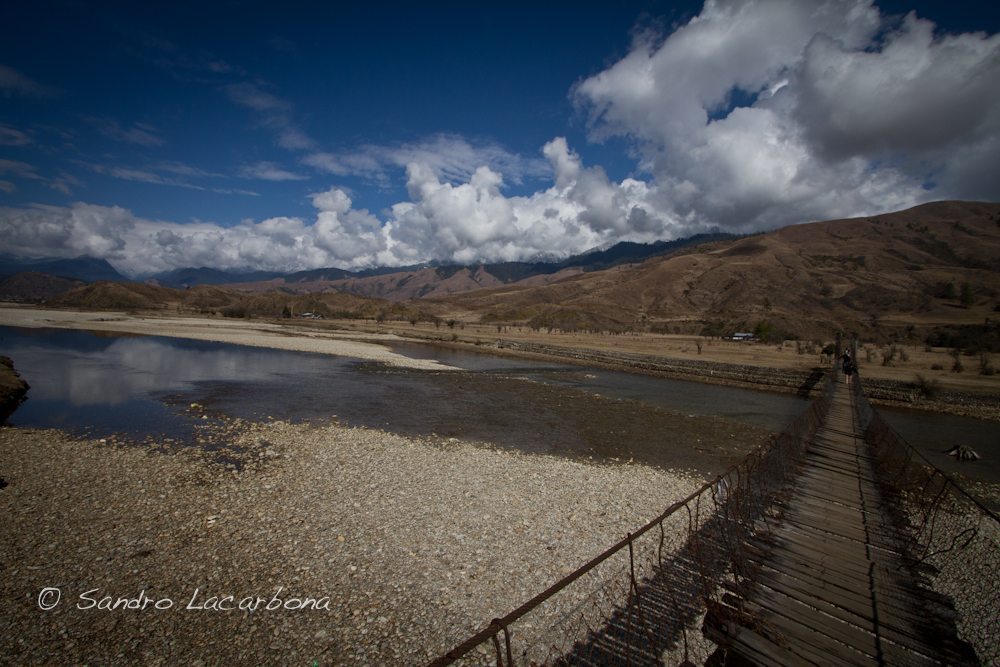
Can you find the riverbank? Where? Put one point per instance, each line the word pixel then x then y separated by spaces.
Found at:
pixel 799 380
pixel 12 388
pixel 792 367
pixel 404 545
pixel 782 368
pixel 238 332
pixel 804 382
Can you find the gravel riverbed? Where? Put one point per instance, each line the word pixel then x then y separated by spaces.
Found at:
pixel 395 548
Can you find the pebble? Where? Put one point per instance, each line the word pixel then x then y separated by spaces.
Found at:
pixel 434 538
pixel 968 570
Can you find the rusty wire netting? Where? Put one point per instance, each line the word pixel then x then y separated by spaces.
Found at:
pixel 641 601
pixel 953 539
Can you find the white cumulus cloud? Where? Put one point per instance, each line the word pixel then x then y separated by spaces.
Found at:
pixel 461 222
pixel 474 221
pixel 53 231
pixel 766 112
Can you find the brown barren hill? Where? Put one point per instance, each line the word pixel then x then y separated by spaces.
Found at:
pixel 231 302
pixel 935 263
pixel 421 283
pixel 117 296
pixel 34 287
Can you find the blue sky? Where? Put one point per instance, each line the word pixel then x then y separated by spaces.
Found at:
pixel 241 135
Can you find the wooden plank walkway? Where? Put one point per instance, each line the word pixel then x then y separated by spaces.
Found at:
pixel 830 586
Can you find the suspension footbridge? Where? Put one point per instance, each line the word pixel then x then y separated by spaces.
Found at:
pixel 827 546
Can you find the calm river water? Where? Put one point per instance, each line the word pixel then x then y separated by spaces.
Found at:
pixel 102 384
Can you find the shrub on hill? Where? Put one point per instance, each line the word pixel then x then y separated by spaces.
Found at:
pixel 972 338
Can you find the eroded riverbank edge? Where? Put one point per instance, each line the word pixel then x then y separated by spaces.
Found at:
pixel 12 388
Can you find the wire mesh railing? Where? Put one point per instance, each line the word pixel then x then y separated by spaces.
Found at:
pixel 951 538
pixel 642 600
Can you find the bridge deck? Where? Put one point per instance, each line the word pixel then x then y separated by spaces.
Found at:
pixel 830 586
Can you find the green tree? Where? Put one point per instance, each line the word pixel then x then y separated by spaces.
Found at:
pixel 763 331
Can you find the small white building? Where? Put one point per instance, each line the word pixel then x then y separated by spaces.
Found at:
pixel 742 336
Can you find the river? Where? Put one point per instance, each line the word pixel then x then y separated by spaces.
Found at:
pixel 143 387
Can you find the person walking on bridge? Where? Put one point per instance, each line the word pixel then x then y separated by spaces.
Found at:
pixel 847 364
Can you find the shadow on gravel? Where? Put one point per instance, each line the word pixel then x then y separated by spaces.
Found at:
pixel 658 613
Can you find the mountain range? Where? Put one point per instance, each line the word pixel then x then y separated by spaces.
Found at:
pixel 83 268
pixel 935 264
pixel 39 280
pixel 424 280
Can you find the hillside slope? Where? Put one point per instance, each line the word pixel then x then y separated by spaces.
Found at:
pixel 441 281
pixel 899 268
pixel 33 287
pixel 116 296
pixel 214 300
